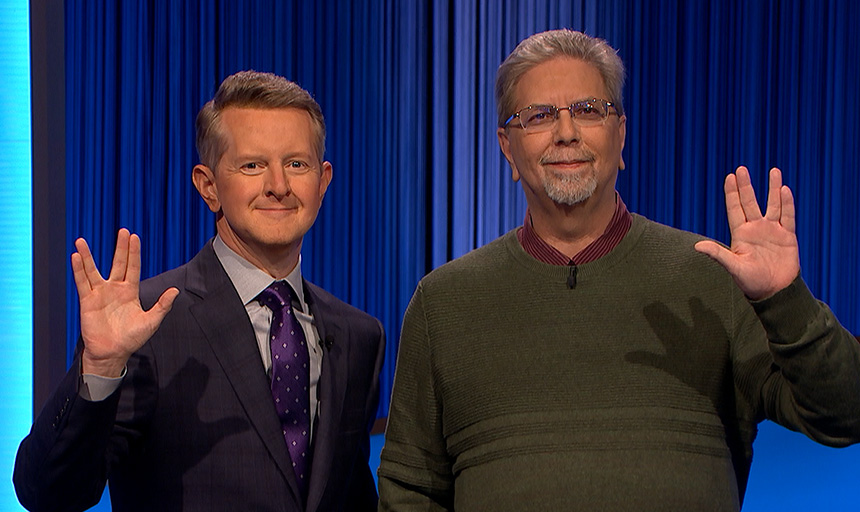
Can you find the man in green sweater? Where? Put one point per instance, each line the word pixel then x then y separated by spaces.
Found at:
pixel 593 359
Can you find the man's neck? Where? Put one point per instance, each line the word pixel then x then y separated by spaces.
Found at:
pixel 570 229
pixel 278 262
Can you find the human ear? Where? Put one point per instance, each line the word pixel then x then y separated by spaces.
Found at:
pixel 204 181
pixel 325 177
pixel 505 145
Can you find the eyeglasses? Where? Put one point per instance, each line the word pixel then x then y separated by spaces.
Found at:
pixel 541 118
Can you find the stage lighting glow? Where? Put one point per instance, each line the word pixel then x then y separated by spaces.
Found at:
pixel 16 261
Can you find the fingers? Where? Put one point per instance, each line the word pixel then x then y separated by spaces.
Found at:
pixel 81 282
pixel 126 258
pixel 748 201
pixel 780 201
pixel 88 266
pixel 787 218
pixel 734 211
pixel 120 256
pixel 133 272
pixel 774 195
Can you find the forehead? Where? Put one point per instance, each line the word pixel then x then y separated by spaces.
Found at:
pixel 253 127
pixel 559 81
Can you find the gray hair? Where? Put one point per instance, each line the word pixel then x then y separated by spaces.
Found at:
pixel 544 46
pixel 252 89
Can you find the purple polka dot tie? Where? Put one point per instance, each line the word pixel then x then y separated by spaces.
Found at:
pixel 290 377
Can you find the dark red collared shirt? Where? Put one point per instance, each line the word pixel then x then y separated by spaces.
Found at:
pixel 539 249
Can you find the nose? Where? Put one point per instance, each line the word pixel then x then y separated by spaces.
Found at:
pixel 566 131
pixel 276 182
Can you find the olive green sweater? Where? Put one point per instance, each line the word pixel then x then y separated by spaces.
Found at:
pixel 639 388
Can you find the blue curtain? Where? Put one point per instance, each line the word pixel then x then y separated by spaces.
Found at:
pixel 406 88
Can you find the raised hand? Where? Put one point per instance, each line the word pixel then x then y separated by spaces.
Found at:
pixel 764 257
pixel 113 323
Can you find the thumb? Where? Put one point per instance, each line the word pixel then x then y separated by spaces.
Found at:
pixel 165 303
pixel 718 253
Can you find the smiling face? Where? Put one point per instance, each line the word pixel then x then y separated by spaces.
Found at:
pixel 569 164
pixel 264 201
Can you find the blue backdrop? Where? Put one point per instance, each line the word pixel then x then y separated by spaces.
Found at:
pixel 406 88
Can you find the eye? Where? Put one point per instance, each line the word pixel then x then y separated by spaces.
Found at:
pixel 539 115
pixel 298 167
pixel 251 168
pixel 588 111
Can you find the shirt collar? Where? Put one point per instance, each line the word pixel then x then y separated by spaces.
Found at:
pixel 539 249
pixel 249 280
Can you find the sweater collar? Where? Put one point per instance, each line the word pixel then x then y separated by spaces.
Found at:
pixel 539 249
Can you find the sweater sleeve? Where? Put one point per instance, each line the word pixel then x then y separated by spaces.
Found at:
pixel 814 382
pixel 415 470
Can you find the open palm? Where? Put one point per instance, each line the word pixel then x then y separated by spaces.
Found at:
pixel 764 256
pixel 113 323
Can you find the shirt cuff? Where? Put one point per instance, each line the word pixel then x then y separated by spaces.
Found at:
pixel 95 388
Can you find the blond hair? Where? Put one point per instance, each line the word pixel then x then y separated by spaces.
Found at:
pixel 252 89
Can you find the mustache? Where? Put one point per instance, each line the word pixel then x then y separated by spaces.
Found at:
pixel 566 156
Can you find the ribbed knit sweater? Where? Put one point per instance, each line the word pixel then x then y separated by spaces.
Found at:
pixel 639 388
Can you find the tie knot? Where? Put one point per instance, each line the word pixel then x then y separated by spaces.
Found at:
pixel 276 296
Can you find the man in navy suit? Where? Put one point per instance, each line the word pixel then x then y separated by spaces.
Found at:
pixel 171 397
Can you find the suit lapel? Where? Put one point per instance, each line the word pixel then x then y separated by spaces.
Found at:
pixel 224 322
pixel 332 388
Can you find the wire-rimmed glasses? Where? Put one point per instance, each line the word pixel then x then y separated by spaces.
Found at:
pixel 540 118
